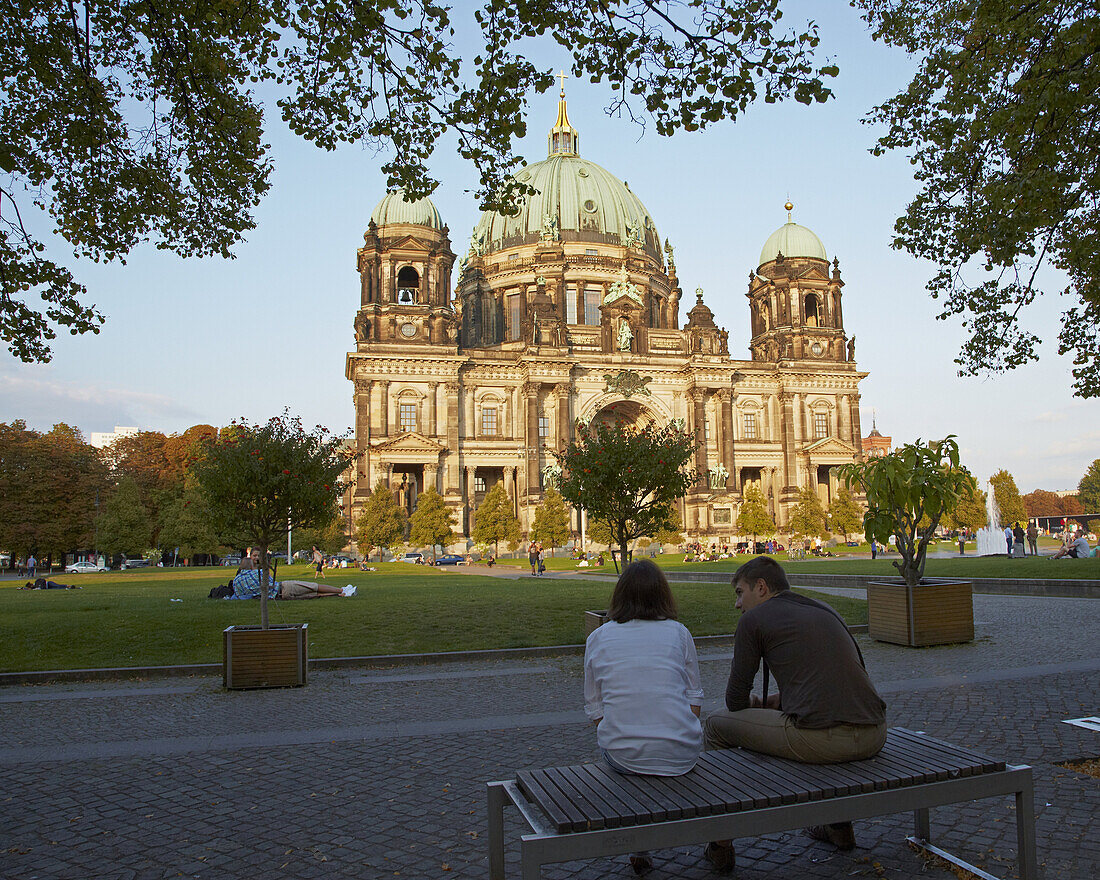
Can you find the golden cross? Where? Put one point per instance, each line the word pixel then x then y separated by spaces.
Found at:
pixel 561 75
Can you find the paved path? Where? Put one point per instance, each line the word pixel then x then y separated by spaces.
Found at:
pixel 380 773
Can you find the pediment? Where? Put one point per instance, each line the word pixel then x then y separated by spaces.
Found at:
pixel 624 302
pixel 830 446
pixel 409 242
pixel 412 443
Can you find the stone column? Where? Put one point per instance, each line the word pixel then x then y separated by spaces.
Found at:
pixel 512 488
pixel 508 416
pixel 787 425
pixel 433 413
pixel 469 506
pixel 389 473
pixel 857 431
pixel 451 390
pixel 431 477
pixel 384 408
pixel 531 438
pixel 470 431
pixel 844 417
pixel 361 399
pixel 698 397
pixel 564 426
pixel 726 398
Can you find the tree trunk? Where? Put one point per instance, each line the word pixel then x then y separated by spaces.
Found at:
pixel 263 588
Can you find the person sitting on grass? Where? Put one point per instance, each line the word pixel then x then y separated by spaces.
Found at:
pixel 246 585
pixel 641 683
pixel 1078 549
pixel 826 711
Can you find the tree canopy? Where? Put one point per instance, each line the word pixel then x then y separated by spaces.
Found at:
pixel 1088 490
pixel 808 516
pixel 968 512
pixel 627 477
pixel 381 522
pixel 124 526
pixel 999 124
pixel 551 523
pixel 50 483
pixel 496 520
pixel 1009 502
pixel 753 517
pixel 845 516
pixel 128 122
pixel 432 522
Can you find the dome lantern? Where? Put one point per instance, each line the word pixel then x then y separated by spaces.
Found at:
pixel 563 139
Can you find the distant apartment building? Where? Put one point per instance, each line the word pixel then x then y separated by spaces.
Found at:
pixel 103 439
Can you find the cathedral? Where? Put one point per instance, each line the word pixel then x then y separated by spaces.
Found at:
pixel 570 311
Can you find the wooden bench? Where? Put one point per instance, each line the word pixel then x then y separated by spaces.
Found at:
pixel 588 810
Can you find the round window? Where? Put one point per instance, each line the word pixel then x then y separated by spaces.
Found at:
pixel 817 349
pixel 523 176
pixel 582 171
pixel 408 330
pixel 589 206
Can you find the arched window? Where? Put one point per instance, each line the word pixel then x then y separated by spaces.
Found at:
pixel 813 318
pixel 408 285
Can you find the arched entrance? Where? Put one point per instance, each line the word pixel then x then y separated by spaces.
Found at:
pixel 628 412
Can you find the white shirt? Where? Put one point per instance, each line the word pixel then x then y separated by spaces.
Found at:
pixel 641 679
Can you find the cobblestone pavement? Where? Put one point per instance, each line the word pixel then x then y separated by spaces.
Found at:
pixel 379 773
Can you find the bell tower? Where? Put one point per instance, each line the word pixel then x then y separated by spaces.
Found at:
pixel 795 300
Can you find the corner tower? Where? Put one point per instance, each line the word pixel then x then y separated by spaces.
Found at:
pixel 795 301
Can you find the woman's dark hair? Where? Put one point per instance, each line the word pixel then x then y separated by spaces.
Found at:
pixel 642 593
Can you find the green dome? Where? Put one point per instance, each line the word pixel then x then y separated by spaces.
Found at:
pixel 793 241
pixel 394 209
pixel 583 198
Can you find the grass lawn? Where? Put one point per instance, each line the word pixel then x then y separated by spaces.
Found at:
pixel 128 618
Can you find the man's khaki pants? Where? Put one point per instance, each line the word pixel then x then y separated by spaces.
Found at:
pixel 771 732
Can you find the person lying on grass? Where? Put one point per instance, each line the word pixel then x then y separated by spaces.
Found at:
pixel 43 584
pixel 246 585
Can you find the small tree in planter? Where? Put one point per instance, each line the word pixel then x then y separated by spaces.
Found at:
pixel 908 492
pixel 258 480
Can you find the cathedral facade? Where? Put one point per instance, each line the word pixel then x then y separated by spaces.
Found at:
pixel 570 311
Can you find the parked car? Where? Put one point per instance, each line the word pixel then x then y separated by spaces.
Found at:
pixel 449 559
pixel 232 561
pixel 415 558
pixel 83 568
pixel 135 563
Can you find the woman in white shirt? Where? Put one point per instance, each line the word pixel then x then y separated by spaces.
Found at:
pixel 641 682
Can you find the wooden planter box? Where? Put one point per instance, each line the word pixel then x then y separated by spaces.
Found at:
pixel 935 612
pixel 260 658
pixel 593 620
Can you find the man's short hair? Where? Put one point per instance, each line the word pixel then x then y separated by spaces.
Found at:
pixel 763 567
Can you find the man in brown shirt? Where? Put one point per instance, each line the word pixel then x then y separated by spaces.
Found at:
pixel 826 709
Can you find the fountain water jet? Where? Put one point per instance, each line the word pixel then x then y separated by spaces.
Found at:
pixel 991 537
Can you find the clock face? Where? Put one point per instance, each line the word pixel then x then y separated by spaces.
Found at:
pixel 817 349
pixel 408 330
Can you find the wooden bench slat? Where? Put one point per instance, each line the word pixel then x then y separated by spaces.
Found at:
pixel 791 782
pixel 598 795
pixel 938 767
pixel 591 820
pixel 984 762
pixel 690 800
pixel 750 780
pixel 738 796
pixel 631 810
pixel 906 770
pixel 656 807
pixel 730 771
pixel 531 784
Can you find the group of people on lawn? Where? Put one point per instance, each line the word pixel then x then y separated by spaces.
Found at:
pixel 643 691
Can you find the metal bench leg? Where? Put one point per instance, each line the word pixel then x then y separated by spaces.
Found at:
pixel 532 867
pixel 1025 832
pixel 921 826
pixel 497 799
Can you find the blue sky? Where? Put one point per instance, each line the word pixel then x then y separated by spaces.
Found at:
pixel 207 341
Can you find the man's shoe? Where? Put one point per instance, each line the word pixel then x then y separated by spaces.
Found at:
pixel 721 856
pixel 839 834
pixel 641 864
